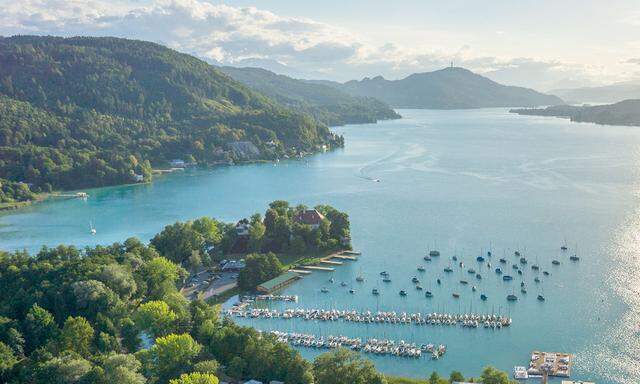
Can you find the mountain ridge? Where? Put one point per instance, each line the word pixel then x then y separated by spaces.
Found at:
pixel 448 88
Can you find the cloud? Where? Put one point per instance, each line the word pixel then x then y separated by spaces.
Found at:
pixel 224 34
pixel 633 61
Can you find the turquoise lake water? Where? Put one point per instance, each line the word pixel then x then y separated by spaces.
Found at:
pixel 464 181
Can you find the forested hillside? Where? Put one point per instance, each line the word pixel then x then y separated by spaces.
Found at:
pixel 85 111
pixel 626 112
pixel 327 104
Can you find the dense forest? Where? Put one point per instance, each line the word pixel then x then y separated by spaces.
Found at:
pixel 626 112
pixel 89 111
pixel 449 88
pixel 325 103
pixel 115 314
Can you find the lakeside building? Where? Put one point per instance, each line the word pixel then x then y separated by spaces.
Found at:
pixel 178 163
pixel 278 282
pixel 310 217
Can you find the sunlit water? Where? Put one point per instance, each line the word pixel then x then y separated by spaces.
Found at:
pixel 463 181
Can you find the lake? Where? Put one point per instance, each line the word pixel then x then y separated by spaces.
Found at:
pixel 463 181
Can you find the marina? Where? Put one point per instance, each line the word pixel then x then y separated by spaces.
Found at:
pixel 374 346
pixel 467 320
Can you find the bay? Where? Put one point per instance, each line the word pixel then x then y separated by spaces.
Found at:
pixel 463 181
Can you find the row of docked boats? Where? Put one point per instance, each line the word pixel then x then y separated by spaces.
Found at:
pixel 374 346
pixel 472 320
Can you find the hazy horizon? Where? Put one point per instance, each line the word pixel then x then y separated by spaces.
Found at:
pixel 539 44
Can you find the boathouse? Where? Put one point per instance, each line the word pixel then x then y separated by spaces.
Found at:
pixel 278 282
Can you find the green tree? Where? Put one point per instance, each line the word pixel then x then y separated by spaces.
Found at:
pixel 173 354
pixel 258 269
pixel 456 376
pixel 195 378
pixel 118 279
pixel 161 277
pixel 257 231
pixel 68 368
pixel 155 317
pixel 207 366
pixel 177 241
pixel 345 367
pixel 121 369
pixel 40 327
pixel 77 335
pixel 490 375
pixel 7 358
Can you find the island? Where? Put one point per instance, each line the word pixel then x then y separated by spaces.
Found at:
pixel 115 313
pixel 626 112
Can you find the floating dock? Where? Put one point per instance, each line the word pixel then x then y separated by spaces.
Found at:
pixel 554 363
pixel 331 262
pixel 344 257
pixel 300 271
pixel 318 268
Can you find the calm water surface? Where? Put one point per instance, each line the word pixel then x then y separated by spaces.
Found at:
pixel 464 181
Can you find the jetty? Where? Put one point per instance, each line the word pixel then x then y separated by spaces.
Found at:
pixel 345 257
pixel 318 268
pixel 300 271
pixel 375 346
pixel 467 320
pixel 553 363
pixel 331 262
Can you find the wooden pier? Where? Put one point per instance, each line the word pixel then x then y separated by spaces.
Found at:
pixel 301 271
pixel 318 268
pixel 344 257
pixel 331 262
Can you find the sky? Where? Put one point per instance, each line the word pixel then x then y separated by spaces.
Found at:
pixel 543 44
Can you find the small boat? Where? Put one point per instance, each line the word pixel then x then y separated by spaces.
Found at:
pixel 384 273
pixel 438 281
pixel 464 282
pixel 375 292
pixel 480 259
pixel 545 273
pixel 519 272
pixel 403 293
pixel 386 279
pixel 517 253
pixel 512 297
pixel 419 287
pixel 488 265
pixel 564 247
pixel 522 283
pixel 352 291
pixel 507 278
pixel 523 260
pixel 415 280
pixel 489 253
pixel 473 288
pixel 454 258
pixel 535 267
pixel 478 276
pixel 421 268
pixel 471 271
pixel 434 253
pixel 92 229
pixel 359 279
pixel 324 290
pixel 574 258
pixel 427 258
pixel 503 261
pixel 523 290
pixel 461 264
pixel 536 279
pixel 483 297
pixel 428 294
pixel 456 295
pixel 343 284
pixel 540 298
pixel 555 262
pixel 448 269
pixel 331 280
pixel 498 271
pixel 515 266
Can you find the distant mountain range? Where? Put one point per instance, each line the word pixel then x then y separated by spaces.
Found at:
pixel 626 112
pixel 605 94
pixel 450 88
pixel 327 104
